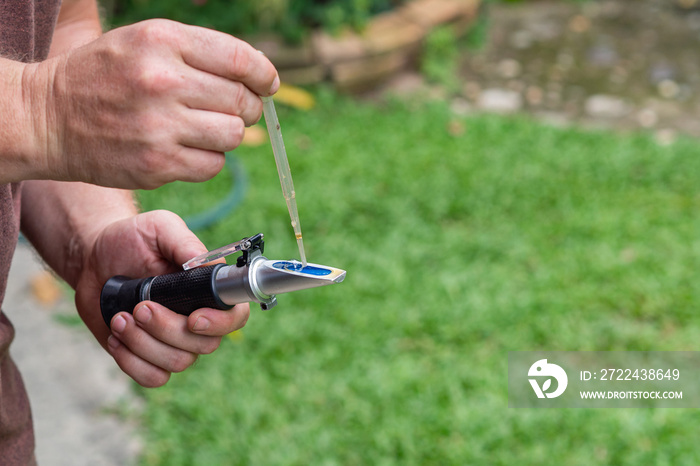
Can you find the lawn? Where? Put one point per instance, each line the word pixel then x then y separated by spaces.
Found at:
pixel 464 238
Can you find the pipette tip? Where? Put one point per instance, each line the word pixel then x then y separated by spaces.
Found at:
pixel 302 253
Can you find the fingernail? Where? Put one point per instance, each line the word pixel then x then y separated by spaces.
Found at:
pixel 143 314
pixel 113 342
pixel 201 324
pixel 119 324
pixel 275 86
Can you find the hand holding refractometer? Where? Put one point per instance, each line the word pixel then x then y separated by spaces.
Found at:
pixel 252 278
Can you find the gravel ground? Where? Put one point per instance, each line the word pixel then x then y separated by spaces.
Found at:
pixel 620 64
pixel 625 65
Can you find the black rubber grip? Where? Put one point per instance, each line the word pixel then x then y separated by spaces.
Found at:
pixel 185 292
pixel 181 292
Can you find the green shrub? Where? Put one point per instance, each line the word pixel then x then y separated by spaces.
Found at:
pixel 441 58
pixel 291 19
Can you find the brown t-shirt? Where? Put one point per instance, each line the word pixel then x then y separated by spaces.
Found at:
pixel 26 29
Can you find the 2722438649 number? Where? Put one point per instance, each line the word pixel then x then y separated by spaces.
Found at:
pixel 639 374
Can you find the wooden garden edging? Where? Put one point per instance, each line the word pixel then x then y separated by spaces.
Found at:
pixel 355 61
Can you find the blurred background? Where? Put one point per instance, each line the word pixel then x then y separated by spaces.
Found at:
pixel 494 176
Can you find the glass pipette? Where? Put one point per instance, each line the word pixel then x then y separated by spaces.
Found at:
pixel 273 129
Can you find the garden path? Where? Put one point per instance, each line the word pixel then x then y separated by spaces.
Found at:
pixel 73 383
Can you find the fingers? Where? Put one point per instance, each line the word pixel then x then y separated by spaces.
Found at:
pixel 146 359
pixel 212 131
pixel 170 329
pixel 224 55
pixel 143 372
pixel 146 104
pixel 154 342
pixel 197 164
pixel 205 91
pixel 214 323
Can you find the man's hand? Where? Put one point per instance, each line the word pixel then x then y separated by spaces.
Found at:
pixel 153 342
pixel 145 105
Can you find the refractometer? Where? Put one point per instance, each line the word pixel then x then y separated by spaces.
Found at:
pixel 220 286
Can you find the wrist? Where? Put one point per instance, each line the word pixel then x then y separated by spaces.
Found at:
pixel 17 137
pixel 38 103
pixel 80 256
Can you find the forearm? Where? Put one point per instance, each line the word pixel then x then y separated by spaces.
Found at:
pixel 63 219
pixel 21 102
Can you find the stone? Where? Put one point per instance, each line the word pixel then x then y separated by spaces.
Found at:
pixel 522 39
pixel 579 24
pixel 661 71
pixel 648 38
pixel 553 98
pixel 534 95
pixel 357 75
pixel 389 32
pixel 664 109
pixel 689 126
pixel 304 75
pixel 431 13
pixel 345 46
pixel 471 90
pixel 571 108
pixel 281 54
pixel 687 4
pixel 500 101
pixel 611 9
pixel 556 73
pixel 509 68
pixel 668 89
pixel 647 118
pixel 605 106
pixel 694 20
pixel 545 28
pixel 516 85
pixel 406 83
pixel 565 60
pixel 665 137
pixel 602 55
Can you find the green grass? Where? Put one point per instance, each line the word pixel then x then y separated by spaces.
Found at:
pixel 459 248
